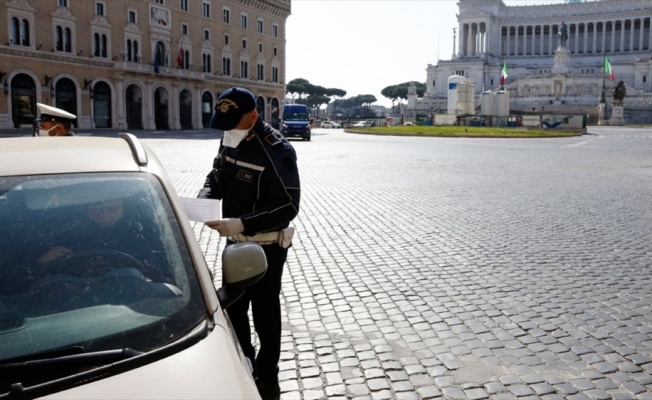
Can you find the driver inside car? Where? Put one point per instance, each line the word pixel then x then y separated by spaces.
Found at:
pixel 102 243
pixel 105 228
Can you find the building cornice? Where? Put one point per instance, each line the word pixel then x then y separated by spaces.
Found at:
pixel 279 8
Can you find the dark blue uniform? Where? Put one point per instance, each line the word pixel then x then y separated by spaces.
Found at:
pixel 258 182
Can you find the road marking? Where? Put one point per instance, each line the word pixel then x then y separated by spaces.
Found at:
pixel 577 144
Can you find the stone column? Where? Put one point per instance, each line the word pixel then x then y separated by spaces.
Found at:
pixel 595 34
pixel 196 108
pixel 622 35
pixel 516 29
pixel 631 35
pixel 148 105
pixel 650 38
pixel 640 34
pixel 613 37
pixel 533 41
pixel 174 106
pixel 604 37
pixel 508 51
pixel 120 107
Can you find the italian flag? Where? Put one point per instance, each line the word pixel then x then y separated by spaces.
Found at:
pixel 503 74
pixel 608 69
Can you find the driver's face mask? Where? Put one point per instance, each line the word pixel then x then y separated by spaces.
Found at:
pixel 46 132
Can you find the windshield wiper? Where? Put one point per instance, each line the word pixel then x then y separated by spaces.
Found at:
pixel 44 373
pixel 17 374
pixel 74 355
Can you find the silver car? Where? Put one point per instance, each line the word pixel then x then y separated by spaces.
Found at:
pixel 330 124
pixel 104 291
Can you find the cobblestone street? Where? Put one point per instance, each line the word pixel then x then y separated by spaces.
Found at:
pixel 452 268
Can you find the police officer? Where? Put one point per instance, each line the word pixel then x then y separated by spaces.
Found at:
pixel 255 174
pixel 54 121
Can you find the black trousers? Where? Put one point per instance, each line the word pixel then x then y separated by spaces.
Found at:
pixel 264 297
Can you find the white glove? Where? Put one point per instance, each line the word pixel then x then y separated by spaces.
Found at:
pixel 226 227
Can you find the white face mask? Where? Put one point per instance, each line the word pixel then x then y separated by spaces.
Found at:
pixel 233 137
pixel 43 132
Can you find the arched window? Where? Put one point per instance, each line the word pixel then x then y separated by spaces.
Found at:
pixel 104 46
pixel 96 45
pixel 226 66
pixel 159 55
pixel 132 50
pixel 206 63
pixel 24 33
pixel 59 38
pixel 99 45
pixel 67 40
pixel 15 31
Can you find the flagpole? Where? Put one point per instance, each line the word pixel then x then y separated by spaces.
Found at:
pixel 603 98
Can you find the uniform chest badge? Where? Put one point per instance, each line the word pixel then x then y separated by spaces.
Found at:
pixel 245 175
pixel 272 139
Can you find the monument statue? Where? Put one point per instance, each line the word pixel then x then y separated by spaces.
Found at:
pixel 563 34
pixel 620 91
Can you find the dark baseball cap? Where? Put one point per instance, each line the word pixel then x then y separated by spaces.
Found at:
pixel 232 104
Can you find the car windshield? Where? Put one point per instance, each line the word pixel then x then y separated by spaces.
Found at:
pixel 295 116
pixel 95 261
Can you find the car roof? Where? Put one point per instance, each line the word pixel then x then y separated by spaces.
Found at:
pixel 51 155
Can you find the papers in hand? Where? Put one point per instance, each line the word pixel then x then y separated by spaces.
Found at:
pixel 202 210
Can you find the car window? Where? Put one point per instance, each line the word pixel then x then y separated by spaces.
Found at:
pixel 92 260
pixel 295 116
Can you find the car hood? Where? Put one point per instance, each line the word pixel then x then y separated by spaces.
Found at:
pixel 211 369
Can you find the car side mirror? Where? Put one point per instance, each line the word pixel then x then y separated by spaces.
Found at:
pixel 243 264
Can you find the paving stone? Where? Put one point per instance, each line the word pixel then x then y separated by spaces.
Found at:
pixel 553 397
pixel 312 394
pixel 288 385
pixel 598 394
pixel 520 390
pixel 452 393
pixel 407 396
pixel 312 383
pixel 309 372
pixel 566 388
pixel 476 394
pixel 402 386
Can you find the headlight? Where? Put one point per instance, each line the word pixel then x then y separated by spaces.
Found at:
pixel 285 126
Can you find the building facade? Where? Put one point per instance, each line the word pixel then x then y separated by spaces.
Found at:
pixel 139 64
pixel 528 40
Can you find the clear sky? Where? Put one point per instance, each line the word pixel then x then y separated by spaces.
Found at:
pixel 363 46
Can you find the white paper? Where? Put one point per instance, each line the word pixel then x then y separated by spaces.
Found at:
pixel 202 210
